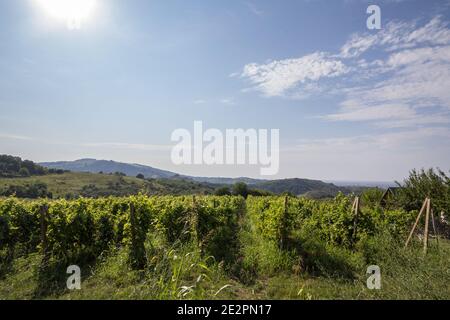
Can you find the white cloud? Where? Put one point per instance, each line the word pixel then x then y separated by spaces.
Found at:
pixel 393 141
pixel 405 85
pixel 254 9
pixel 388 155
pixel 378 112
pixel 420 55
pixel 398 35
pixel 415 91
pixel 228 101
pixel 125 146
pixel 277 77
pixel 357 45
pixel 435 32
pixel 396 80
pixel 14 137
pixel 106 145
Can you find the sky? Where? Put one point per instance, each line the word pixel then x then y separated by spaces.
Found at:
pixel 350 103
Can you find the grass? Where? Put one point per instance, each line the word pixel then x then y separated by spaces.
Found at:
pixel 75 184
pixel 72 183
pixel 184 274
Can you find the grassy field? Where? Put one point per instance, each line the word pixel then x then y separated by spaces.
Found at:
pixel 73 184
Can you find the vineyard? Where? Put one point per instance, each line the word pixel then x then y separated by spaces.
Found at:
pixel 209 247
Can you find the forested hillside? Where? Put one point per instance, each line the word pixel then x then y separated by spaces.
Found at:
pixel 11 167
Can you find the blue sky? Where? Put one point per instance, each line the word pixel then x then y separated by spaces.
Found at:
pixel 350 103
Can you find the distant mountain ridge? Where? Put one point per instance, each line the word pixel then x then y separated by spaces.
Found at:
pixel 222 180
pixel 298 186
pixel 313 188
pixel 132 170
pixel 109 166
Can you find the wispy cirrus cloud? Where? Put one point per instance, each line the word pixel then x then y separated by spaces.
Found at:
pixel 8 136
pixel 408 139
pixel 397 77
pixel 107 145
pixel 199 101
pixel 228 101
pixel 398 35
pixel 414 91
pixel 128 146
pixel 393 153
pixel 276 78
pixel 376 112
pixel 254 9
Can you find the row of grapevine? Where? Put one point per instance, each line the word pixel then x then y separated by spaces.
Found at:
pixel 333 220
pixel 62 228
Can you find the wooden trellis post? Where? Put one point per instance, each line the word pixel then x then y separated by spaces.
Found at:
pixel 355 211
pixel 427 224
pixel 426 207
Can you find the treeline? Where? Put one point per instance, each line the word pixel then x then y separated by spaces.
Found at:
pixel 411 193
pixel 241 189
pixel 15 167
pixel 420 184
pixel 29 191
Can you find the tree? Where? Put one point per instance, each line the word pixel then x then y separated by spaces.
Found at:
pixel 223 191
pixel 31 191
pixel 422 184
pixel 57 171
pixel 372 197
pixel 240 189
pixel 288 194
pixel 14 167
pixel 259 193
pixel 140 176
pixel 24 172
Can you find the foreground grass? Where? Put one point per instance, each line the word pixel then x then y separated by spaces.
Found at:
pixel 311 270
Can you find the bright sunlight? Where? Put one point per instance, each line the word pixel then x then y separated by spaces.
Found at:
pixel 73 12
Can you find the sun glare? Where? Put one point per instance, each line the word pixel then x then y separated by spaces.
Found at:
pixel 73 12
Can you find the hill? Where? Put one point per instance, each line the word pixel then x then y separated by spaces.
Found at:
pixel 314 189
pixel 167 182
pixel 105 166
pixel 11 167
pixel 132 170
pixel 223 180
pixel 297 186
